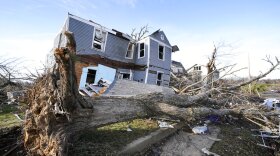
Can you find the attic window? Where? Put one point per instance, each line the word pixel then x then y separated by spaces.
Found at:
pixel 161 52
pixel 130 51
pixel 99 39
pixel 141 50
pixel 162 37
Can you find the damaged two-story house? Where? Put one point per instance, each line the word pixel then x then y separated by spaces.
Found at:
pixel 108 54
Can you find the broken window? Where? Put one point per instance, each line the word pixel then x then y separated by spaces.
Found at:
pixel 141 50
pixel 99 39
pixel 130 50
pixel 91 76
pixel 160 52
pixel 124 76
pixel 159 78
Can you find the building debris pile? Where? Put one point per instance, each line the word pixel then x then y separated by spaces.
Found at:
pixel 185 78
pixel 268 122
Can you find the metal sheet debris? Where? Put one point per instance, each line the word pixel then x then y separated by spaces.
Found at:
pixel 129 129
pixel 163 124
pixel 200 129
pixel 272 103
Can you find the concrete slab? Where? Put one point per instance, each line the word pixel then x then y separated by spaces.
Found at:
pixel 189 144
pixel 142 144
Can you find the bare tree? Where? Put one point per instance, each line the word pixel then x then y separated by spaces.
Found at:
pixel 137 36
pixel 9 70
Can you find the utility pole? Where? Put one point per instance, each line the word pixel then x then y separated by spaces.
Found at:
pixel 249 70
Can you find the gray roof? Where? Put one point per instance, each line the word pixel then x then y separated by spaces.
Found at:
pixel 177 64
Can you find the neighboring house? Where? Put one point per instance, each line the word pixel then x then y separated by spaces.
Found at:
pixel 199 72
pixel 110 54
pixel 177 67
pixel 196 73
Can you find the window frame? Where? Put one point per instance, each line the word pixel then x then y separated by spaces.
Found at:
pixel 122 73
pixel 132 51
pixel 139 45
pixel 163 52
pixel 103 44
pixel 161 81
pixel 197 68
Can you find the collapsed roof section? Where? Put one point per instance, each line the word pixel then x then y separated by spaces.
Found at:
pixel 112 31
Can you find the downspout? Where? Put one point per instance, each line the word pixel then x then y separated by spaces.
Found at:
pixel 148 60
pixel 131 76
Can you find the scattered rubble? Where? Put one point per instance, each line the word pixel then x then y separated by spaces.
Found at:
pixel 236 138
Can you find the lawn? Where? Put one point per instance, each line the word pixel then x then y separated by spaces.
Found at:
pixel 7 117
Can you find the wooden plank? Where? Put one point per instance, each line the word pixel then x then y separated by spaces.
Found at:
pixel 97 59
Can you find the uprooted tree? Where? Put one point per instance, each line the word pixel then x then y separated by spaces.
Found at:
pixel 58 113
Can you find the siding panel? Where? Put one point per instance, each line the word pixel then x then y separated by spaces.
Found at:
pixel 139 76
pixel 153 77
pixel 166 64
pixel 143 60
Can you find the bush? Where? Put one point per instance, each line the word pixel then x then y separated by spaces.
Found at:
pixel 255 88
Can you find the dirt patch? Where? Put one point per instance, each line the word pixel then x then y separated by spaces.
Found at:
pixel 11 141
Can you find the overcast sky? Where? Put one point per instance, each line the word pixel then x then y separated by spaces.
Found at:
pixel 246 27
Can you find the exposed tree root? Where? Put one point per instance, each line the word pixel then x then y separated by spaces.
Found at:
pixel 54 99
